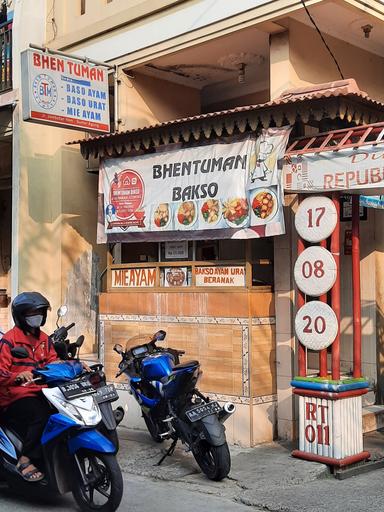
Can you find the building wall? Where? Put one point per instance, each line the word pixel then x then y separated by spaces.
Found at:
pixel 145 101
pixel 54 205
pixel 365 67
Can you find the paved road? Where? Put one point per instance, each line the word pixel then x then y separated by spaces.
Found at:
pixel 262 478
pixel 143 494
pixel 140 495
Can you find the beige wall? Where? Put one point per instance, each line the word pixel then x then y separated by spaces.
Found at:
pixel 57 254
pixel 145 101
pixel 99 16
pixel 366 68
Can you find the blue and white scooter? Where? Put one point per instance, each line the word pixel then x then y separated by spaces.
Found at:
pixel 76 457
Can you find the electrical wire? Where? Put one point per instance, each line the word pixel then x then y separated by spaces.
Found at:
pixel 52 20
pixel 322 38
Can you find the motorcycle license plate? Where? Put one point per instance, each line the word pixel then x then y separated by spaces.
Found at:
pixel 76 389
pixel 203 410
pixel 107 393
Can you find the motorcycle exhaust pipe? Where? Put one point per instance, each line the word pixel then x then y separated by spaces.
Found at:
pixel 227 411
pixel 119 414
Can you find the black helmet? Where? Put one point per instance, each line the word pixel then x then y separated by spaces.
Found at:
pixel 29 302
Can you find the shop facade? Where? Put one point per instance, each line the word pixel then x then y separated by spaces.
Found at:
pixel 211 80
pixel 232 327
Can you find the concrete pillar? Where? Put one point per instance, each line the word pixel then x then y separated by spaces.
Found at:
pixel 284 254
pixel 282 73
pixel 379 256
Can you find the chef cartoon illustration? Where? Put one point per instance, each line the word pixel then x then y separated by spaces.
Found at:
pixel 261 169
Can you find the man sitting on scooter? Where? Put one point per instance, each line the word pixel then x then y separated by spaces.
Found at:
pixel 23 406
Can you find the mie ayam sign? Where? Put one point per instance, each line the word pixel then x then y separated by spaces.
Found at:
pixel 360 171
pixel 66 92
pixel 133 278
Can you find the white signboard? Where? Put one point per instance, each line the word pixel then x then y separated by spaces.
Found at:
pixel 315 271
pixel 348 169
pixel 316 325
pixel 133 278
pixel 224 190
pixel 220 276
pixel 316 218
pixel 64 92
pixel 176 250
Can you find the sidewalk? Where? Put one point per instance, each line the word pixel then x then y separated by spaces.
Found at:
pixel 265 477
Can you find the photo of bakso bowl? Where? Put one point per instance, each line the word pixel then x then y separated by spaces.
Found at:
pixel 264 204
pixel 210 212
pixel 162 216
pixel 236 212
pixel 186 214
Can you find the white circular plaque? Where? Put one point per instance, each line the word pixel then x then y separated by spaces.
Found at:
pixel 316 218
pixel 315 271
pixel 316 325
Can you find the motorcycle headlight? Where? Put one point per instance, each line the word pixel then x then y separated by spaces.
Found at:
pixel 71 409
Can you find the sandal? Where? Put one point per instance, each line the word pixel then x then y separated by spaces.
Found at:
pixel 28 476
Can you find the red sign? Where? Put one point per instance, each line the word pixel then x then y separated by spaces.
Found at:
pixel 126 198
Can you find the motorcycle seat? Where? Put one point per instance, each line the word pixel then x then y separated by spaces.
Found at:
pixel 187 364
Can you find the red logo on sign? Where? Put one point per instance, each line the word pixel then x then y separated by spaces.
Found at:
pixel 127 193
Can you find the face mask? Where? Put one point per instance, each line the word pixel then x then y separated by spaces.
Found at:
pixel 34 320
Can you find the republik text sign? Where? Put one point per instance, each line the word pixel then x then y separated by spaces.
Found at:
pixel 65 92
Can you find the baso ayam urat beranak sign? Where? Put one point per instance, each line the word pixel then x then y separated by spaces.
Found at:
pixel 66 92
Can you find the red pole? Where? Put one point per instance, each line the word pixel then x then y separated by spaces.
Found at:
pixel 356 286
pixel 323 353
pixel 300 301
pixel 335 292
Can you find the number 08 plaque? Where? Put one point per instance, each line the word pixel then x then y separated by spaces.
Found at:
pixel 315 271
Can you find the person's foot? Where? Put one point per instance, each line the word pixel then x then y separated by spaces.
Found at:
pixel 28 471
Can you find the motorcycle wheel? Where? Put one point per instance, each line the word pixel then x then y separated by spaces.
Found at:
pixel 153 428
pixel 214 461
pixel 104 488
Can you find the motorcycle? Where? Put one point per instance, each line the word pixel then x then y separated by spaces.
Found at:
pixel 75 456
pixel 105 393
pixel 173 407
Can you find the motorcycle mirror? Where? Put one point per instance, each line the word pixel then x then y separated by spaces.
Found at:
pixel 118 348
pixel 160 335
pixel 79 341
pixel 19 352
pixel 62 311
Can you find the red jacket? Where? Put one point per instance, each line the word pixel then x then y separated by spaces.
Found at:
pixel 41 353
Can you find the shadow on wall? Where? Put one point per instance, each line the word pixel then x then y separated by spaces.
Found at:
pixel 58 239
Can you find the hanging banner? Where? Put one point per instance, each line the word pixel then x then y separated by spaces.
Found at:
pixel 224 190
pixel 65 92
pixel 348 169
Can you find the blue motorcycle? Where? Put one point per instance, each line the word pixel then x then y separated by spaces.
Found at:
pixel 75 456
pixel 173 407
